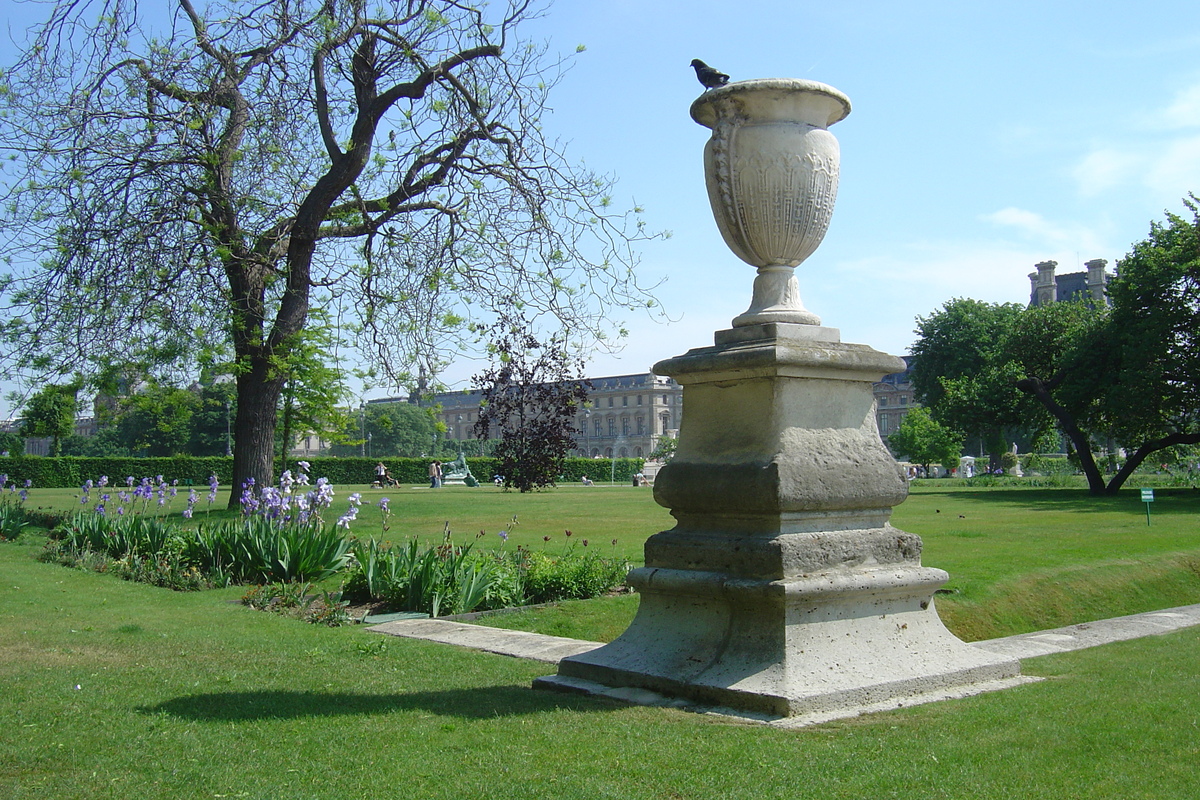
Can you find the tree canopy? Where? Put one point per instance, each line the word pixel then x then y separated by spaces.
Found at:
pixel 157 421
pixel 51 413
pixel 963 374
pixel 390 429
pixel 196 182
pixel 925 441
pixel 1126 376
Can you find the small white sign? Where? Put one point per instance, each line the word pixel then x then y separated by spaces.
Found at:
pixel 1147 495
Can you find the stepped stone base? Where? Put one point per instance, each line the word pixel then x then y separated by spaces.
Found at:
pixel 783 591
pixel 811 645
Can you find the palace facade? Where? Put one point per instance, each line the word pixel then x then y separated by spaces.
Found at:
pixel 625 415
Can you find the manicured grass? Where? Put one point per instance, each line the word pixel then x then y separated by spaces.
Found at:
pixel 1030 559
pixel 598 514
pixel 1019 560
pixel 120 690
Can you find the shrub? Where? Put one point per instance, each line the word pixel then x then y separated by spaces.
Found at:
pixel 13 517
pixel 572 576
pixel 294 600
pixel 258 549
pixel 69 471
pixel 116 537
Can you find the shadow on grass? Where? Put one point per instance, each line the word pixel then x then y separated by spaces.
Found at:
pixel 480 703
pixel 1074 500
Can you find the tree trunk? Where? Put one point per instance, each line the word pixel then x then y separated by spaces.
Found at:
pixel 254 429
pixel 1142 453
pixel 1083 446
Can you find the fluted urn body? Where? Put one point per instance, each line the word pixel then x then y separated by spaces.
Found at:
pixel 771 167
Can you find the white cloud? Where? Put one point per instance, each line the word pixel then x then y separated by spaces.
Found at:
pixel 1162 155
pixel 1040 231
pixel 1176 170
pixel 1107 168
pixel 1184 111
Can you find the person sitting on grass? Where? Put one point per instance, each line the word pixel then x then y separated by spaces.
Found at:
pixel 586 481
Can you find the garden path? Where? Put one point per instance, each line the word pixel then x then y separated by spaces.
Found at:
pixel 521 644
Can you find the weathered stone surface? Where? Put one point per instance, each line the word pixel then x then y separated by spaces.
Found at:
pixel 771 168
pixel 777 425
pixel 783 590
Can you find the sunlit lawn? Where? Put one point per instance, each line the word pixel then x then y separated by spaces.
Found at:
pixel 120 690
pixel 1019 559
pixel 598 514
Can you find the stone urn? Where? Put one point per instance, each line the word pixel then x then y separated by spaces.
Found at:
pixel 771 167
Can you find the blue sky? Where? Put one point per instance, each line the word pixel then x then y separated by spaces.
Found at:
pixel 985 137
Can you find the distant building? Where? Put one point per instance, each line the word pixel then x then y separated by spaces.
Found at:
pixel 894 399
pixel 1046 287
pixel 625 418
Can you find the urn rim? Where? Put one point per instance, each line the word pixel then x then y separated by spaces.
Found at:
pixel 703 109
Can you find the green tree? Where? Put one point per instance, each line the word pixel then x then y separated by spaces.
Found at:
pixel 401 429
pixel 392 429
pixel 923 440
pixel 665 449
pixel 313 390
pixel 964 374
pixel 1133 374
pixel 1054 349
pixel 157 420
pixel 51 413
pixel 106 442
pixel 11 443
pixel 212 420
pixel 222 177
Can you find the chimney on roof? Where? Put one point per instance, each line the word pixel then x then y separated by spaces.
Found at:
pixel 1097 280
pixel 1045 290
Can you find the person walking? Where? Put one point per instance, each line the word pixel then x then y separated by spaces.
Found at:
pixel 435 474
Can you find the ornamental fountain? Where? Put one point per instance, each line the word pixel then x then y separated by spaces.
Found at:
pixel 783 591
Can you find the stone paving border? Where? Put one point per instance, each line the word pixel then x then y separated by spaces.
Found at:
pixel 1091 634
pixel 550 649
pixel 518 644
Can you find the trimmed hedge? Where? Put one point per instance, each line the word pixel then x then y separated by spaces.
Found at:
pixel 71 471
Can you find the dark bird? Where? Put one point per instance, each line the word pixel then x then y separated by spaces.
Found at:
pixel 708 76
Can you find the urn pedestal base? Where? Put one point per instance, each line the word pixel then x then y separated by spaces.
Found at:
pixel 783 591
pixel 819 645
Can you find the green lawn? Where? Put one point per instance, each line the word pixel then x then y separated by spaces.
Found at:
pixel 119 690
pixel 597 513
pixel 1020 560
pixel 1029 559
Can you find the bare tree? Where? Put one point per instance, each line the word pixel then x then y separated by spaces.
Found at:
pixel 182 182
